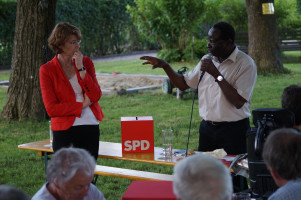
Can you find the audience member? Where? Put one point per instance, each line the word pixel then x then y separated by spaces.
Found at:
pixel 282 155
pixel 69 176
pixel 291 98
pixel 202 177
pixel 11 193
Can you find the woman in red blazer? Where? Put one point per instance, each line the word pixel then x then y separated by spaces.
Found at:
pixel 71 92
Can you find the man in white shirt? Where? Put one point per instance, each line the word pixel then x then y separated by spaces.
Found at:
pixel 224 92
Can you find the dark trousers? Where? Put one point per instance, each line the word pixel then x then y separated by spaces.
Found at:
pixel 231 136
pixel 84 136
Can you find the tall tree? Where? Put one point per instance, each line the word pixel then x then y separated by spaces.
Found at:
pixel 263 37
pixel 34 21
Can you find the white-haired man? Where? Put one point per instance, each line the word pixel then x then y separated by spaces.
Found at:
pixel 202 177
pixel 69 177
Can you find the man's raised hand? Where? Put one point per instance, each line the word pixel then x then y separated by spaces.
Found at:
pixel 155 62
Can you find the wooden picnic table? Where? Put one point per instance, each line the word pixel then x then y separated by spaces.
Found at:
pixel 112 150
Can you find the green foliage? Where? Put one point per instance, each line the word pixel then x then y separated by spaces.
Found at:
pixel 170 55
pixel 170 22
pixel 7 28
pixel 105 25
pixel 234 12
pixel 200 47
pixel 287 16
pixel 231 11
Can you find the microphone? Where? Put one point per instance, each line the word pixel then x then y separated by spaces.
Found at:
pixel 210 57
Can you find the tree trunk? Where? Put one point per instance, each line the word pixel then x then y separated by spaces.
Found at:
pixel 263 38
pixel 34 22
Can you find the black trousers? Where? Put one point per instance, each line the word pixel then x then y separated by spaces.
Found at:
pixel 231 136
pixel 84 136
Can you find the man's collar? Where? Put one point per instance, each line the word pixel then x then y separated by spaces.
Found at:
pixel 233 55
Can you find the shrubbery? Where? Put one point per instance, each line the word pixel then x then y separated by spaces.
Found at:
pixel 119 26
pixel 7 28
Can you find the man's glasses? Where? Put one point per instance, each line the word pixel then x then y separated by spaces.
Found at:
pixel 75 42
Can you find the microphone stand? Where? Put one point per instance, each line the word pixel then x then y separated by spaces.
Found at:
pixel 201 77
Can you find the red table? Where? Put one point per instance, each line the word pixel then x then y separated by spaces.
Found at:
pixel 149 190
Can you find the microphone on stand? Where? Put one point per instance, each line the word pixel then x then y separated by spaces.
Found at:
pixel 208 56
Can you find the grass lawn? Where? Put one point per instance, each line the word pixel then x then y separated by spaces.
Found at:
pixel 4 75
pixel 25 169
pixel 134 66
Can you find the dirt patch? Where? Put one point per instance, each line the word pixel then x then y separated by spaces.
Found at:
pixel 119 83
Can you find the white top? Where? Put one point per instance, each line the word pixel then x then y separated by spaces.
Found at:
pixel 240 71
pixel 87 117
pixel 44 194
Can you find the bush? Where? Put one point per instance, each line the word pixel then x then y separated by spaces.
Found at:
pixel 7 27
pixel 200 48
pixel 105 25
pixel 170 22
pixel 170 55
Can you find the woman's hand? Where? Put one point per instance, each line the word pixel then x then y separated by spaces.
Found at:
pixel 78 59
pixel 87 101
pixel 156 62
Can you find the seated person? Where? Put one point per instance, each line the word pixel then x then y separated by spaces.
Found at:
pixel 11 193
pixel 69 177
pixel 202 177
pixel 291 98
pixel 282 155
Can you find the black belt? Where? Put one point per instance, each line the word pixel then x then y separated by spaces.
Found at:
pixel 216 123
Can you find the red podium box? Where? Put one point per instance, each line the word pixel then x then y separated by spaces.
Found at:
pixel 150 190
pixel 137 134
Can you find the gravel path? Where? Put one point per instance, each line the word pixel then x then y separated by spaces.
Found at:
pixel 125 56
pixel 111 83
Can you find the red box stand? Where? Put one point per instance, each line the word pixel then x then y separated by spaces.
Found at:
pixel 137 134
pixel 149 190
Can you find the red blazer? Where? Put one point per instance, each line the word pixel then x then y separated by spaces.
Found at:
pixel 59 97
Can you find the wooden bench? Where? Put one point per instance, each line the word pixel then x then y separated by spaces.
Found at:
pixel 131 174
pixel 288 40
